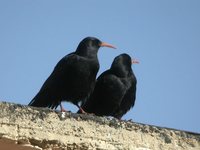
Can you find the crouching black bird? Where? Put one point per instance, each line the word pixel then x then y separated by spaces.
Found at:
pixel 73 78
pixel 115 90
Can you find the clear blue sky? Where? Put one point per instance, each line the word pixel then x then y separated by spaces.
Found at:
pixel 163 35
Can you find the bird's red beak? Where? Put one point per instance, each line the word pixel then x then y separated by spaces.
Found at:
pixel 135 61
pixel 103 44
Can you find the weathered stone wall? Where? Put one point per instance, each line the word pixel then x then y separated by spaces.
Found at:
pixel 26 127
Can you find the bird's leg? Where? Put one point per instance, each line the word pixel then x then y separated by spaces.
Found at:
pixel 62 108
pixel 81 109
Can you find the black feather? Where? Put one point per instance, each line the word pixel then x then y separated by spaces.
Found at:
pixel 73 78
pixel 115 90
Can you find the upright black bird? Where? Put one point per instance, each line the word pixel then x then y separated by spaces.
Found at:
pixel 73 78
pixel 115 90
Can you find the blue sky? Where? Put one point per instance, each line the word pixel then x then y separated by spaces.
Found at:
pixel 163 35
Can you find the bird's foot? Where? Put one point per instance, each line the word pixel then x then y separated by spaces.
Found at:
pixel 82 111
pixel 62 109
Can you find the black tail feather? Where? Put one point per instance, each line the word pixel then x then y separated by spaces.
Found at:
pixel 43 99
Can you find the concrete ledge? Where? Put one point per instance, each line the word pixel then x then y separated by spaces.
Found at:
pixel 24 127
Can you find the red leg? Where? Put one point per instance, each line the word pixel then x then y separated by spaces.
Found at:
pixel 82 111
pixel 62 108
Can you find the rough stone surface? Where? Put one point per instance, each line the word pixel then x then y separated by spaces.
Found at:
pixel 40 128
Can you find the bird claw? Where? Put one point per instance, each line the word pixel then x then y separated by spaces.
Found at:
pixel 64 110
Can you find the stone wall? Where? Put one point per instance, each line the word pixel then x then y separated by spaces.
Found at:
pixel 23 127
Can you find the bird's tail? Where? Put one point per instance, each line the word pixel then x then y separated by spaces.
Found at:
pixel 43 99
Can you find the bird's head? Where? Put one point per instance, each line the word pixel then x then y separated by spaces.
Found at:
pixel 122 64
pixel 90 46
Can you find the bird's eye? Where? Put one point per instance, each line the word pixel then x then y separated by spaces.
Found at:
pixel 95 43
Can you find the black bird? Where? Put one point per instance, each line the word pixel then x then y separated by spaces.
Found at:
pixel 115 90
pixel 73 78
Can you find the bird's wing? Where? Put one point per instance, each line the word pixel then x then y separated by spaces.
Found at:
pixel 129 97
pixel 128 100
pixel 48 94
pixel 59 72
pixel 112 90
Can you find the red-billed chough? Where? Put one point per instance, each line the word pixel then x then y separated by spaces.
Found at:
pixel 73 78
pixel 115 90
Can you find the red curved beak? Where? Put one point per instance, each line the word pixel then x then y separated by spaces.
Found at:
pixel 104 44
